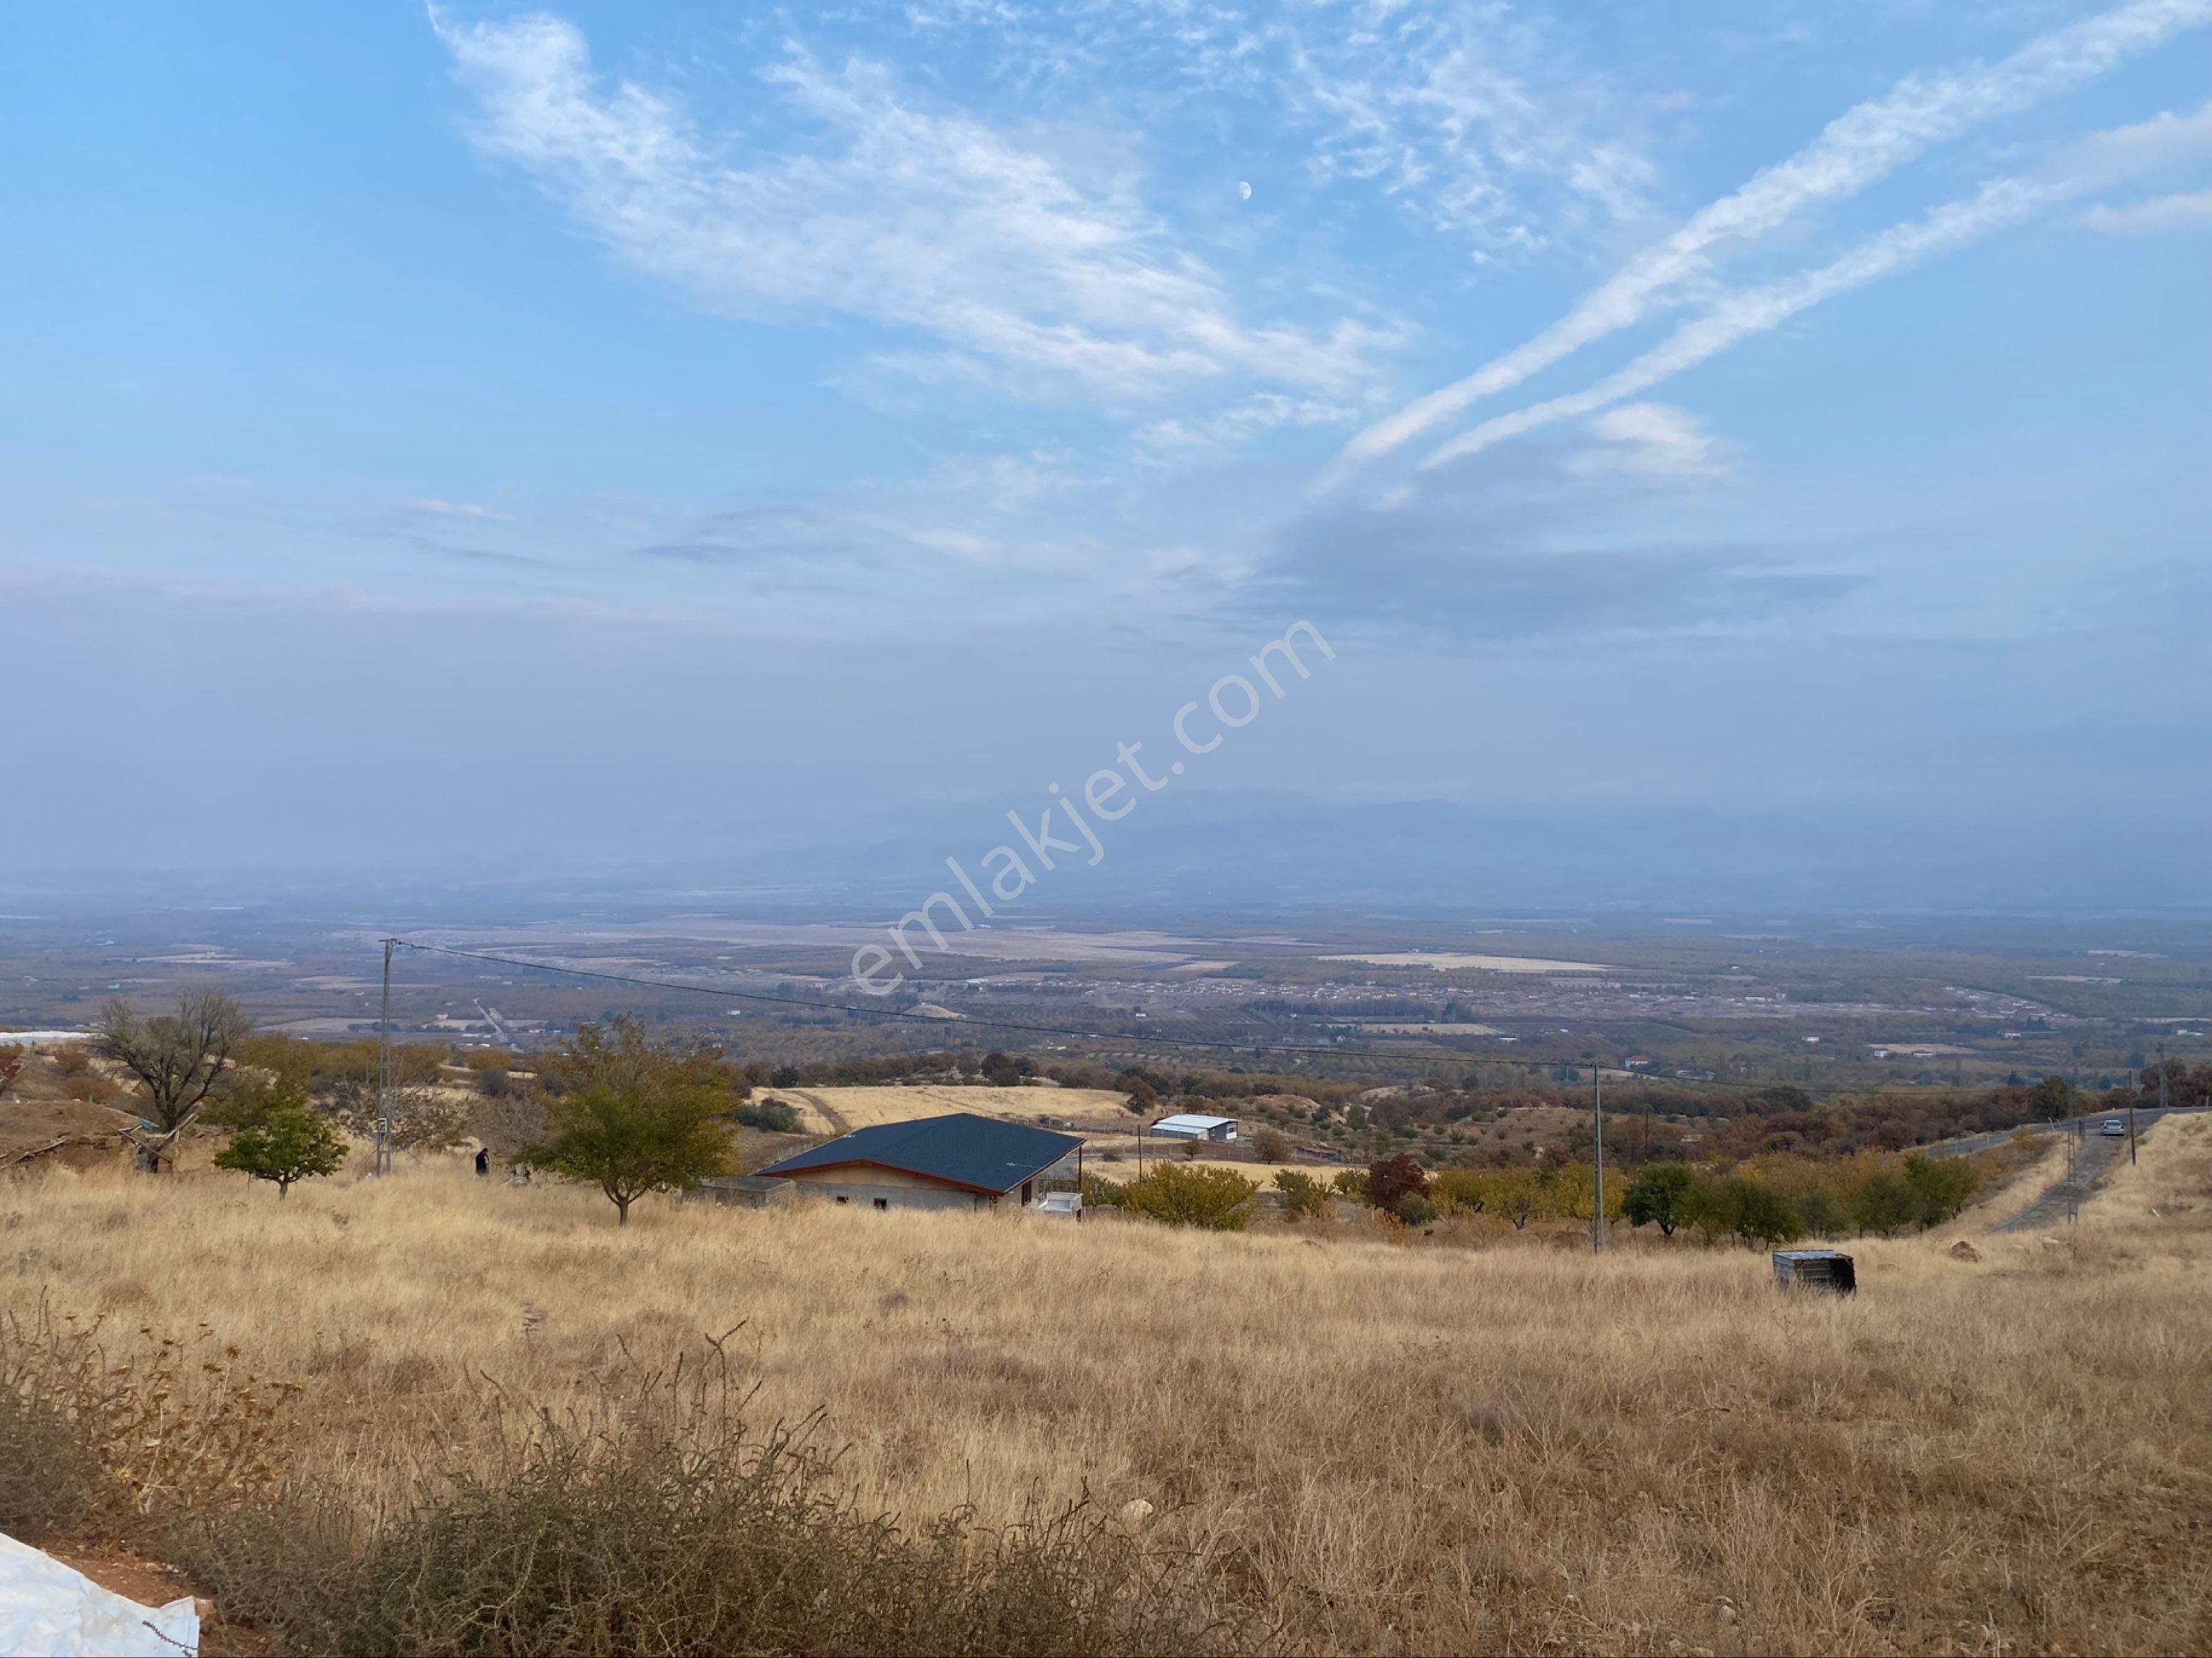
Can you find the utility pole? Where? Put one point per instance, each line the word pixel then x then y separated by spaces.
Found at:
pixel 1597 1159
pixel 384 1069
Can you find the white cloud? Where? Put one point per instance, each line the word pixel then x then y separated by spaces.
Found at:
pixel 430 506
pixel 1652 440
pixel 1191 440
pixel 908 215
pixel 2096 161
pixel 1463 117
pixel 2184 212
pixel 1859 147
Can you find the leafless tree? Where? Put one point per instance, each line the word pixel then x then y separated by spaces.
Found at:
pixel 178 1058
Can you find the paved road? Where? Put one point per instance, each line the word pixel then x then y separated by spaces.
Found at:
pixel 1967 1145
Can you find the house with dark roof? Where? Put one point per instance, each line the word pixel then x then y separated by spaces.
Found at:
pixel 958 1161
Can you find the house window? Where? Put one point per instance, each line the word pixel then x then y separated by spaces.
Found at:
pixel 883 1203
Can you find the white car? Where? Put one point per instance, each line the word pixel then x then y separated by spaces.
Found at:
pixel 2112 1127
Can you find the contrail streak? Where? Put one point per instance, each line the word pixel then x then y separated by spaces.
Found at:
pixel 1857 148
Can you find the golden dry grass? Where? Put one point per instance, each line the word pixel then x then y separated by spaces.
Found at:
pixel 1391 1447
pixel 865 1107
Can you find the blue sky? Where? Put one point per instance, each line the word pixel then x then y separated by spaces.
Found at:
pixel 803 415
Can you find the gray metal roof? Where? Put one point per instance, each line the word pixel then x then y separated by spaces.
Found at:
pixel 979 1153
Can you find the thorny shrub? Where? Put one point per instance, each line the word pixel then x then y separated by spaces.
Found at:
pixel 653 1523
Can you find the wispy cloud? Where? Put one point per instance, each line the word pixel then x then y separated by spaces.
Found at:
pixel 1476 123
pixel 2182 212
pixel 1177 440
pixel 2002 202
pixel 1655 439
pixel 431 506
pixel 909 216
pixel 1857 150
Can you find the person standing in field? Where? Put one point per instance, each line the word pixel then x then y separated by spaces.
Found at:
pixel 483 1163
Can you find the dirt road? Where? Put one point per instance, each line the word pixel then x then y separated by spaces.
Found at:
pixel 2094 1157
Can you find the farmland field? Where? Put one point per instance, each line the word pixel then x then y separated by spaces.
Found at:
pixel 837 1110
pixel 1367 1441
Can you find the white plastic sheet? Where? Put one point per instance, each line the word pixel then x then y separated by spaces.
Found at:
pixel 48 1610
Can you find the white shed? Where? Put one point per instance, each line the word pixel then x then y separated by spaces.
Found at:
pixel 1186 1125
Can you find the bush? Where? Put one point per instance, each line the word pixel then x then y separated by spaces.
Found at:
pixel 1351 1183
pixel 1216 1200
pixel 1395 1178
pixel 89 1087
pixel 1415 1210
pixel 655 1524
pixel 1302 1194
pixel 1271 1144
pixel 49 1478
pixel 774 1115
pixel 493 1082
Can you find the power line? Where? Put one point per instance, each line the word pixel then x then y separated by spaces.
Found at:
pixel 1186 1043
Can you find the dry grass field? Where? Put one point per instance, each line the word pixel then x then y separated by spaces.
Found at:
pixel 1370 1444
pixel 837 1110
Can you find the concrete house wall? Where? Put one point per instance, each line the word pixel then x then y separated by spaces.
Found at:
pixel 892 1188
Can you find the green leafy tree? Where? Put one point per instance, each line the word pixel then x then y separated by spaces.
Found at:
pixel 1940 1188
pixel 2052 1099
pixel 1655 1197
pixel 639 1116
pixel 283 1138
pixel 1469 1191
pixel 1765 1217
pixel 1883 1204
pixel 1823 1213
pixel 1739 1208
pixel 1215 1200
pixel 1710 1206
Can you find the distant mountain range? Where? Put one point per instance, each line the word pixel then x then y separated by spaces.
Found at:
pixel 1222 850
